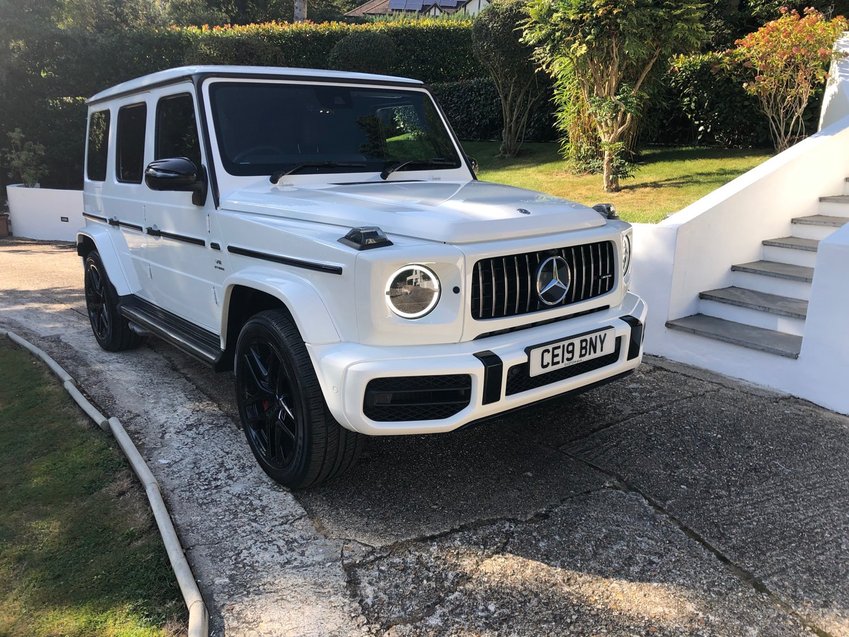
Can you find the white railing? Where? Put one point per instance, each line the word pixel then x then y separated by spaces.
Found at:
pixel 693 250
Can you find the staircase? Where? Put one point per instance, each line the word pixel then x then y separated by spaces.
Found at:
pixel 765 307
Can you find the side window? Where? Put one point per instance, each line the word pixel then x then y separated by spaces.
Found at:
pixel 176 129
pixel 98 145
pixel 130 147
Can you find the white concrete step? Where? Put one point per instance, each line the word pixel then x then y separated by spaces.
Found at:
pixel 817 227
pixel 771 277
pixel 770 341
pixel 759 309
pixel 835 205
pixel 793 250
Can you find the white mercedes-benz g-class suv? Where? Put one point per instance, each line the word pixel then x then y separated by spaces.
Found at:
pixel 323 234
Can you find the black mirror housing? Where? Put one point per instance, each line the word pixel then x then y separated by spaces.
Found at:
pixel 177 174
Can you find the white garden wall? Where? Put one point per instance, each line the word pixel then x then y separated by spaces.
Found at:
pixel 45 213
pixel 693 250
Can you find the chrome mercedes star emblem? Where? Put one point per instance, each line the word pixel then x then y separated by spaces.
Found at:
pixel 553 280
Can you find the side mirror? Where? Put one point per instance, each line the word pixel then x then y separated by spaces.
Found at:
pixel 474 164
pixel 177 174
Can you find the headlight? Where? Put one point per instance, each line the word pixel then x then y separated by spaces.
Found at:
pixel 626 254
pixel 412 291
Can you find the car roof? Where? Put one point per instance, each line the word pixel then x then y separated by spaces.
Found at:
pixel 171 76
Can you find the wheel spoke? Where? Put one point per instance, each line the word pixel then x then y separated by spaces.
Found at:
pixel 269 410
pixel 271 437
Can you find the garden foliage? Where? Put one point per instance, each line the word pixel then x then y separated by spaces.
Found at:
pixel 474 110
pixel 47 72
pixel 709 91
pixel 497 44
pixel 788 58
pixel 608 49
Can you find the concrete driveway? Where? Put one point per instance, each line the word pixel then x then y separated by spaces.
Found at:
pixel 674 502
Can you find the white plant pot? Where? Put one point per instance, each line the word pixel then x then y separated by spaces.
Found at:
pixel 45 213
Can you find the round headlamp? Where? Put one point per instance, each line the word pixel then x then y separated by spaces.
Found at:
pixel 626 254
pixel 412 291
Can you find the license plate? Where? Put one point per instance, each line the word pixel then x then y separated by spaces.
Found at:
pixel 571 351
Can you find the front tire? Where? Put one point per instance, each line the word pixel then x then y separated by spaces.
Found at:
pixel 111 330
pixel 285 418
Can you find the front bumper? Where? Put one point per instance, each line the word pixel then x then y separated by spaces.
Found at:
pixel 496 366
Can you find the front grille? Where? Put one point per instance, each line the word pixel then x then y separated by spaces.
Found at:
pixel 506 286
pixel 409 398
pixel 519 381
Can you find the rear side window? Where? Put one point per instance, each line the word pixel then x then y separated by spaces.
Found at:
pixel 98 145
pixel 176 128
pixel 130 146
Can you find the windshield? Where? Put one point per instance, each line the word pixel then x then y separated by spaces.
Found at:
pixel 275 128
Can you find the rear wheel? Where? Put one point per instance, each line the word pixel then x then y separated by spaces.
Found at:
pixel 111 330
pixel 285 418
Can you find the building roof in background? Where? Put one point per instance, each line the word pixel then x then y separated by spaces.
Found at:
pixel 370 7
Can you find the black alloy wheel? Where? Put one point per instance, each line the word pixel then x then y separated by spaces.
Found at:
pixel 286 421
pixel 273 422
pixel 95 301
pixel 111 330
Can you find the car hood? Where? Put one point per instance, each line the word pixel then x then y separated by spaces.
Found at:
pixel 438 211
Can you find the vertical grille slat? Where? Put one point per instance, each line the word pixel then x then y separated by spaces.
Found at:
pixel 505 285
pixel 506 292
pixel 518 284
pixel 494 293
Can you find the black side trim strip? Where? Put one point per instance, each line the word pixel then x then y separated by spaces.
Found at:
pixel 215 246
pixel 113 221
pixel 637 333
pixel 131 226
pixel 156 232
pixel 492 376
pixel 297 263
pixel 88 215
pixel 182 237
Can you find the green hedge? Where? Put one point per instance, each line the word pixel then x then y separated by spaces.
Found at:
pixel 710 94
pixel 45 75
pixel 474 110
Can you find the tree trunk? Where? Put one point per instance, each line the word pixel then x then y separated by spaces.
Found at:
pixel 611 180
pixel 300 10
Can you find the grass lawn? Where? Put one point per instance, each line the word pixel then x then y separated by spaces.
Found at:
pixel 79 551
pixel 666 180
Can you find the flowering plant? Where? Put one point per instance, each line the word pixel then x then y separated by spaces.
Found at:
pixel 788 58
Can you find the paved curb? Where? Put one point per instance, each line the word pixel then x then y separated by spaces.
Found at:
pixel 198 615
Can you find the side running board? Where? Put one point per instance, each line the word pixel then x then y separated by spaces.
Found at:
pixel 192 339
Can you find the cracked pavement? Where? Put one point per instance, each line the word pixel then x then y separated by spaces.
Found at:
pixel 674 502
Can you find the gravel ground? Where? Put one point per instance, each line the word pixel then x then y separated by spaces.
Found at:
pixel 674 502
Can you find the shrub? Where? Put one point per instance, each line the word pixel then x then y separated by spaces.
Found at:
pixel 498 46
pixel 710 93
pixel 44 71
pixel 788 58
pixel 474 111
pixel 364 51
pixel 610 48
pixel 24 158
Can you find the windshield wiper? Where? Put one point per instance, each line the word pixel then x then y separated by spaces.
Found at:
pixel 391 167
pixel 277 175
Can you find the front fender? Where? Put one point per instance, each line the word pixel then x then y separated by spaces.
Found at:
pixel 298 295
pixel 124 282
